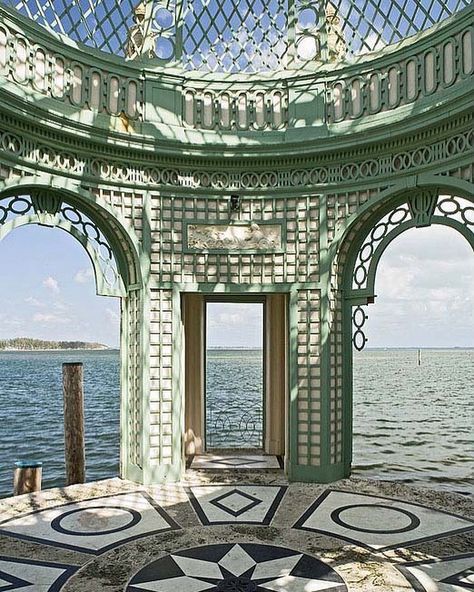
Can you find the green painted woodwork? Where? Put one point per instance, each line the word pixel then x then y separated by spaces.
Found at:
pixel 125 155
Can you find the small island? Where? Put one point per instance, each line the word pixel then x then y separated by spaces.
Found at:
pixel 29 344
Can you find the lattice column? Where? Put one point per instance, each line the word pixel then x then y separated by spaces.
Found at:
pixel 308 402
pixel 131 381
pixel 164 395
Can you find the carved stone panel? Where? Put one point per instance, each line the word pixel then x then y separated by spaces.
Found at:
pixel 234 237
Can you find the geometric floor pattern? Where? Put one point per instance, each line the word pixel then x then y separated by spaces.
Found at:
pixel 245 504
pixel 241 461
pixel 240 567
pixel 378 523
pixel 260 536
pixel 448 574
pixel 32 576
pixel 93 526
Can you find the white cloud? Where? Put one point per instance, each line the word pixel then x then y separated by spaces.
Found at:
pixel 33 301
pixel 112 316
pixel 51 284
pixel 84 276
pixel 425 288
pixel 50 319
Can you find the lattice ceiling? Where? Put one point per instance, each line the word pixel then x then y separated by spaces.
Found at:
pixel 237 35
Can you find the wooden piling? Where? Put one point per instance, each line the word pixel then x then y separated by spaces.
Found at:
pixel 419 357
pixel 27 477
pixel 74 448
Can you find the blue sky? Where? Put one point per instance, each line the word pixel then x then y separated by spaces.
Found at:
pixel 48 290
pixel 425 287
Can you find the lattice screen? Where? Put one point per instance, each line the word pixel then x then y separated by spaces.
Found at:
pixel 371 24
pixel 231 35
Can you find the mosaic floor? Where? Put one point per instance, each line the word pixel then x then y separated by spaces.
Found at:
pixel 240 462
pixel 255 534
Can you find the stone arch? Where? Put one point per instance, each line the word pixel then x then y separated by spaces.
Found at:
pixel 114 252
pixel 355 255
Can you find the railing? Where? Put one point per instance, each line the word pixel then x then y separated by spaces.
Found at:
pixel 234 109
pixel 236 426
pixel 64 78
pixel 402 82
pixel 426 67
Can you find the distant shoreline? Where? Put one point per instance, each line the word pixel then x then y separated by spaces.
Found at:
pixel 29 344
pixel 57 349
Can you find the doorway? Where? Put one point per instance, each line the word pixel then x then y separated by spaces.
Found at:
pixel 236 394
pixel 234 385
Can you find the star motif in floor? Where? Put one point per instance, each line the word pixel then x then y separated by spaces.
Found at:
pixel 243 567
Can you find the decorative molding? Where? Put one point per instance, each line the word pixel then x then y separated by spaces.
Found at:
pixel 422 204
pixel 44 157
pixel 234 237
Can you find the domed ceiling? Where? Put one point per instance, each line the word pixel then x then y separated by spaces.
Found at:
pixel 238 35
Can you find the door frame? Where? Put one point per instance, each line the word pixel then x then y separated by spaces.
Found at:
pixel 277 375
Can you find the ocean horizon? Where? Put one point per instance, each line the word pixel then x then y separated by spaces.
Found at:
pixel 422 436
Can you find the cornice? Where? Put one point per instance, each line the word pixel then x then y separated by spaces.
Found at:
pixel 439 122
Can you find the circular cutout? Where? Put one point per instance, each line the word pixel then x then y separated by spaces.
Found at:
pixel 380 519
pixel 307 47
pixel 245 567
pixel 164 18
pixel 307 18
pixel 90 522
pixel 20 205
pixel 164 48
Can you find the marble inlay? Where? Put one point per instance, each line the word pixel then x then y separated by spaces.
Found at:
pixel 237 568
pixel 446 574
pixel 251 504
pixel 378 523
pixel 252 461
pixel 93 526
pixel 33 576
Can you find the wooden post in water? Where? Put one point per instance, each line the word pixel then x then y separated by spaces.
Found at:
pixel 74 449
pixel 419 357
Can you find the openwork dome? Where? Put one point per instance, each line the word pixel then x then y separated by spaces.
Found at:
pixel 238 35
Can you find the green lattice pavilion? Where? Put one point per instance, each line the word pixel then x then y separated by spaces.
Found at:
pixel 237 150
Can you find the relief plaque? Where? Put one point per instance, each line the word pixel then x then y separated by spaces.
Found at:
pixel 234 237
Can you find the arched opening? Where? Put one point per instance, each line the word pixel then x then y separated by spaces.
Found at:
pixel 371 240
pixel 412 380
pixel 50 292
pixel 52 306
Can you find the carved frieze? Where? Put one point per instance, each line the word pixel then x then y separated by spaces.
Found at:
pixel 234 237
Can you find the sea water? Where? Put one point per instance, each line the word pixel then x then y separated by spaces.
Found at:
pixel 412 422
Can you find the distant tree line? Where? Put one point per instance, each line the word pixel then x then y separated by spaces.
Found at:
pixel 27 343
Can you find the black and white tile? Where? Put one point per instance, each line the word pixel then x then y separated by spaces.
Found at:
pixel 33 576
pixel 448 574
pixel 228 504
pixel 237 568
pixel 93 526
pixel 246 461
pixel 378 523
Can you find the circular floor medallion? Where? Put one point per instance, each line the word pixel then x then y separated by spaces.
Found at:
pixel 96 520
pixel 379 519
pixel 240 567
